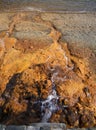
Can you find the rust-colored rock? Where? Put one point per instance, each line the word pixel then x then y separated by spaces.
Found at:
pixel 28 71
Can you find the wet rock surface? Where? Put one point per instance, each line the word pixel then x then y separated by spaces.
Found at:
pixel 42 78
pixel 41 126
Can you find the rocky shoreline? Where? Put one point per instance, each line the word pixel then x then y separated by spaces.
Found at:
pixel 47 67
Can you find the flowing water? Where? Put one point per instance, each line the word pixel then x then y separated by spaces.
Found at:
pixel 48 5
pixel 51 104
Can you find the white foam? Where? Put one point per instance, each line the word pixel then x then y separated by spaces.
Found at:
pixel 46 116
pixel 50 104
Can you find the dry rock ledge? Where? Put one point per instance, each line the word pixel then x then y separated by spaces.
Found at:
pixel 39 51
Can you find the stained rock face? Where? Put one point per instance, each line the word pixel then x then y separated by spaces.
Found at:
pixel 45 83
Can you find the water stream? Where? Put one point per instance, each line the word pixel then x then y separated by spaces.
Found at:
pixel 51 104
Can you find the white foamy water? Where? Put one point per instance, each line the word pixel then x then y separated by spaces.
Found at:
pixel 51 104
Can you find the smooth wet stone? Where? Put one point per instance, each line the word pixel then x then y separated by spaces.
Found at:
pixel 32 128
pixel 15 128
pixel 82 129
pixel 52 125
pixel 58 126
pixel 57 129
pixel 2 127
pixel 78 129
pixel 92 128
pixel 45 128
pixel 42 126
